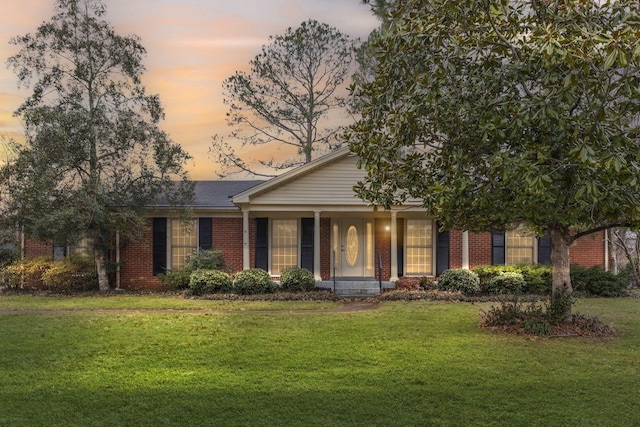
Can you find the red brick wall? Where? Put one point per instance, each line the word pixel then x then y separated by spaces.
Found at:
pixel 325 248
pixel 589 250
pixel 455 249
pixel 38 248
pixel 479 249
pixel 383 247
pixel 227 237
pixel 136 263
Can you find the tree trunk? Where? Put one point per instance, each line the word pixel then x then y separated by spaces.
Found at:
pixel 561 289
pixel 101 269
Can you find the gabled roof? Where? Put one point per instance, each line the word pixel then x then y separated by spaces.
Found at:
pixel 266 186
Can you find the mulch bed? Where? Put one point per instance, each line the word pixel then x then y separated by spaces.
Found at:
pixel 579 326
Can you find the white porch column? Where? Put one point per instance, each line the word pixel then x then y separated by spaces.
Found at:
pixel 465 250
pixel 316 246
pixel 606 252
pixel 246 252
pixel 394 247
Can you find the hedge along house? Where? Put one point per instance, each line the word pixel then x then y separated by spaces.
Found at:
pixel 310 217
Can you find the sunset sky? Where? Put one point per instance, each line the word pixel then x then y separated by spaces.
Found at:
pixel 192 46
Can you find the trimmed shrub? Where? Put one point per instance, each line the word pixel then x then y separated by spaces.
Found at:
pixel 71 274
pixel 296 279
pixel 459 280
pixel 428 284
pixel 594 281
pixel 176 279
pixel 209 282
pixel 508 282
pixel 254 281
pixel 206 259
pixel 26 273
pixel 45 274
pixel 487 272
pixel 415 283
pixel 203 259
pixel 537 278
pixel 407 284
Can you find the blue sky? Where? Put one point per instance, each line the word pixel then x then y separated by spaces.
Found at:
pixel 192 46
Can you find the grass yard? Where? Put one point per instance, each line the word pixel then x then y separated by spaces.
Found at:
pixel 288 364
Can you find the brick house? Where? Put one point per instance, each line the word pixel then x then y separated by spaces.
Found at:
pixel 310 217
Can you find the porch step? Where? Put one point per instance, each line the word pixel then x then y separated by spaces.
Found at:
pixel 355 288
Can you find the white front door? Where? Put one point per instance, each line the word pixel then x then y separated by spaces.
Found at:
pixel 352 249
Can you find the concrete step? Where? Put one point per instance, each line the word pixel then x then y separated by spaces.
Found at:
pixel 355 288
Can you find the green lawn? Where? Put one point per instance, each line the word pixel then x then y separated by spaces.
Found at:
pixel 417 363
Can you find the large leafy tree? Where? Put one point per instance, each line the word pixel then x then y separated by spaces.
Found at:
pixel 94 156
pixel 496 112
pixel 286 100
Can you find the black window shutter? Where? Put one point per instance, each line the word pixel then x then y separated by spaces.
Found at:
pixel 262 243
pixel 544 249
pixel 306 243
pixel 498 254
pixel 442 251
pixel 159 245
pixel 205 233
pixel 400 241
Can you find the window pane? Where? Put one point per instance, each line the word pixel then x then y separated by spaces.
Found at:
pixel 184 241
pixel 284 244
pixel 519 247
pixel 84 248
pixel 419 260
pixel 419 246
pixel 183 234
pixel 179 256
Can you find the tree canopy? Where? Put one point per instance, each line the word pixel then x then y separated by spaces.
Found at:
pixel 499 112
pixel 94 156
pixel 286 100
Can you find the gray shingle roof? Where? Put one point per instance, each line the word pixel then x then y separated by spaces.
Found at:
pixel 218 194
pixel 215 194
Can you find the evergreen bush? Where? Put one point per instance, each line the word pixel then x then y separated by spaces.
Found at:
pixel 427 284
pixel 205 259
pixel 296 279
pixel 254 281
pixel 209 282
pixel 459 280
pixel 594 281
pixel 176 279
pixel 537 278
pixel 487 272
pixel 509 282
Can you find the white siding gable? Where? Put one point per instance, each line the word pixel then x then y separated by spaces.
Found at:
pixel 331 184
